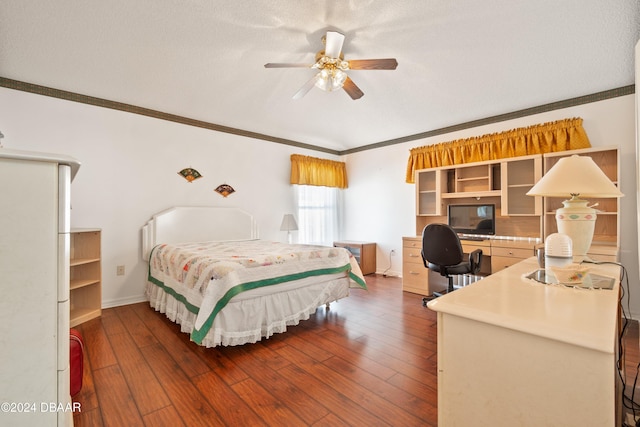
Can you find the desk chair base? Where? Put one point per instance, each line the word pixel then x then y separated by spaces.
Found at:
pixel 435 295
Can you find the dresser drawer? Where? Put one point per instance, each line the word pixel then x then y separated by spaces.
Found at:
pixel 467 248
pixel 412 256
pixel 501 262
pixel 415 278
pixel 412 242
pixel 520 253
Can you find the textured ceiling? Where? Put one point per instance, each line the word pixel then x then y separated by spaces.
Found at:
pixel 459 61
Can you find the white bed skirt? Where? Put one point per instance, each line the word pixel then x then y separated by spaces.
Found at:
pixel 251 316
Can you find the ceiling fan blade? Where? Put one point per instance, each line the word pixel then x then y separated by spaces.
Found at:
pixel 333 44
pixel 306 87
pixel 286 65
pixel 373 64
pixel 353 90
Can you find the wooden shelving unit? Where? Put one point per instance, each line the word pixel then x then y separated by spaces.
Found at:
pixel 505 183
pixel 85 275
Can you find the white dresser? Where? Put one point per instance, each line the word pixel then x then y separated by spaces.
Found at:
pixel 514 352
pixel 34 281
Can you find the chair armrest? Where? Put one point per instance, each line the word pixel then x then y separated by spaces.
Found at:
pixel 475 261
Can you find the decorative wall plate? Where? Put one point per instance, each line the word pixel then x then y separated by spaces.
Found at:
pixel 224 190
pixel 190 174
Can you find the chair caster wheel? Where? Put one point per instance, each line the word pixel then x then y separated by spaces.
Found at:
pixel 425 300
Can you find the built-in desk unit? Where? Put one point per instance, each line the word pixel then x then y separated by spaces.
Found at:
pixel 496 255
pixel 521 221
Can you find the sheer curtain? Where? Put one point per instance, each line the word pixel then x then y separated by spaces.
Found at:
pixel 319 214
pixel 317 184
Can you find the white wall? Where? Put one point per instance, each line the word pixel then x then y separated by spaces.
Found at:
pixel 380 206
pixel 130 164
pixel 129 172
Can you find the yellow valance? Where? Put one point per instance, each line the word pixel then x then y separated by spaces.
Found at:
pixel 561 135
pixel 307 170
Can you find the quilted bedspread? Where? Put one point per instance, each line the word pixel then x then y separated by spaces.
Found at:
pixel 206 276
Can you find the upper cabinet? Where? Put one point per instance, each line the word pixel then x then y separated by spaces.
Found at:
pixel 473 180
pixel 505 183
pixel 429 189
pixel 518 176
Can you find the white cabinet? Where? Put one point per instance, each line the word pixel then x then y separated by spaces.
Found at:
pixel 34 279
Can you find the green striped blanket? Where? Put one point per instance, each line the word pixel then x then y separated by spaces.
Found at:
pixel 206 276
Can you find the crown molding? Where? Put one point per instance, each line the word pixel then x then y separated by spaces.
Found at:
pixel 105 103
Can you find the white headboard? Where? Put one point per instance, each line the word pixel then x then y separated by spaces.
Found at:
pixel 197 224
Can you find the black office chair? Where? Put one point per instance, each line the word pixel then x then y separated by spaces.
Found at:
pixel 442 253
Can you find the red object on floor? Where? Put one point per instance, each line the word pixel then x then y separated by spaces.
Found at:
pixel 76 360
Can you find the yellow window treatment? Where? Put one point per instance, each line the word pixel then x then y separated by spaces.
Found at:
pixel 561 135
pixel 307 170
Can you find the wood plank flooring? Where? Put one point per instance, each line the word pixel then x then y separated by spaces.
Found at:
pixel 368 360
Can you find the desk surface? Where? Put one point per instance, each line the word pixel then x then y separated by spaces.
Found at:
pixel 583 317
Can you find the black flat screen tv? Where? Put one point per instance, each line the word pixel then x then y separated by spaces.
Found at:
pixel 472 219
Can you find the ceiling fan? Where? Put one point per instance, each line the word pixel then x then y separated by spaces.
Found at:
pixel 332 68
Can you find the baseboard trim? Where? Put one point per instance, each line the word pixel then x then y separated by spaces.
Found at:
pixel 123 301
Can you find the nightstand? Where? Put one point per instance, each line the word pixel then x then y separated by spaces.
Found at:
pixel 364 252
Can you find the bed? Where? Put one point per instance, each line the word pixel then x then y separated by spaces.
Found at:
pixel 210 273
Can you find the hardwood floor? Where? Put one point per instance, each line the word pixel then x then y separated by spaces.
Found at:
pixel 368 360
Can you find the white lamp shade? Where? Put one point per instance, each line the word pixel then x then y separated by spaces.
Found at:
pixel 575 175
pixel 288 223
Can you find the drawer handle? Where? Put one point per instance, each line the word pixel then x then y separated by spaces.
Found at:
pixel 413 256
pixel 510 253
pixel 414 273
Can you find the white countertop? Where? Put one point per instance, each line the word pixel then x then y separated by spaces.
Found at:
pixel 582 317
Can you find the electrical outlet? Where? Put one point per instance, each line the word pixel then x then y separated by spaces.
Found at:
pixel 393 252
pixel 120 270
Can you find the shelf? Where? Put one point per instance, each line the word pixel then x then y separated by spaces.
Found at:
pixel 473 178
pixel 76 284
pixel 81 261
pixel 83 314
pixel 520 185
pixel 597 213
pixel 460 195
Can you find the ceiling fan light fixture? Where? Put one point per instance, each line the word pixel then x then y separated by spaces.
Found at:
pixel 332 68
pixel 330 79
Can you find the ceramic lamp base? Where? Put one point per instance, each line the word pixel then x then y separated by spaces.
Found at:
pixel 577 221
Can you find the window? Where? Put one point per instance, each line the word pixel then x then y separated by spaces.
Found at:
pixel 318 215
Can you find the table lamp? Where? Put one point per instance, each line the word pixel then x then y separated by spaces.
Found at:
pixel 289 224
pixel 576 176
